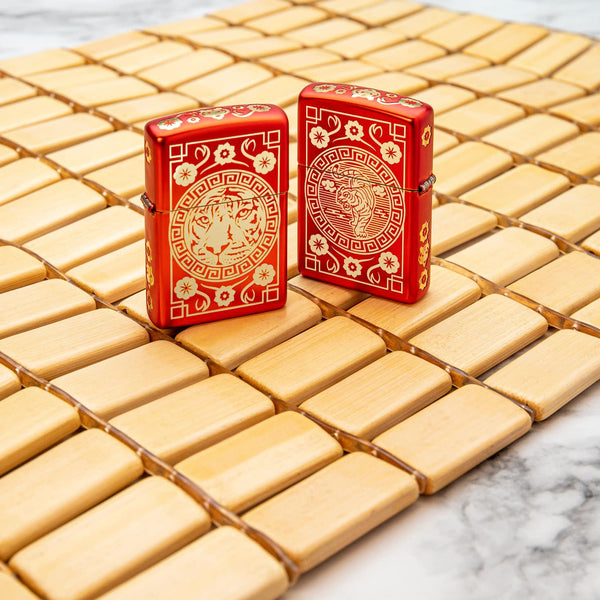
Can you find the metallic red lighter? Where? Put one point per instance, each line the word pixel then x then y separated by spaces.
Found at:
pixel 364 205
pixel 216 212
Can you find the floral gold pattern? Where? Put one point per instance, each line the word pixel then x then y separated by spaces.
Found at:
pixel 426 137
pixel 424 234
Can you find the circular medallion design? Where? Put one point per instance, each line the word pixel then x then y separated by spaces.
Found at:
pixel 348 208
pixel 224 225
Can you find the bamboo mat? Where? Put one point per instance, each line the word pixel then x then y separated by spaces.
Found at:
pixel 234 456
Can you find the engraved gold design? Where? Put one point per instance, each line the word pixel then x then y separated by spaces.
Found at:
pixel 389 262
pixel 185 288
pixel 223 226
pixel 185 174
pixel 423 279
pixel 426 137
pixel 423 254
pixel 148 152
pixel 349 211
pixel 424 234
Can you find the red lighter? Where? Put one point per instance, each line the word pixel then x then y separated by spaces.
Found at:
pixel 364 205
pixel 216 211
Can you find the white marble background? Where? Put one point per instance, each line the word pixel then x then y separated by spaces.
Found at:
pixel 526 523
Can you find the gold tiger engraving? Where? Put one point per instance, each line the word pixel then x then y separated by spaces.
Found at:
pixel 226 229
pixel 356 197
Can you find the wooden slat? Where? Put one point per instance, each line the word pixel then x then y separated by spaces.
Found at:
pixel 256 463
pixel 399 83
pixel 116 44
pixel 125 178
pixel 334 294
pixel 494 79
pixel 64 78
pixel 468 165
pixel 39 304
pixel 462 31
pixel 542 93
pixel 518 190
pixel 590 313
pixel 218 37
pixel 286 20
pixel 233 341
pixel 31 421
pixel 100 151
pixel 195 417
pixel 592 243
pixel 444 97
pixel 572 215
pixel 448 66
pixel 115 275
pixel 9 382
pixel 46 60
pixel 251 572
pixel 141 525
pixel 90 237
pixel 343 71
pixel 482 334
pixel 60 132
pixel 17 269
pixel 335 506
pixel 566 284
pixel 261 47
pixel 282 90
pixel 403 55
pixel 130 379
pixel 354 46
pixel 57 348
pixel 60 484
pixel 250 10
pixel 480 117
pixel 533 135
pixel 582 71
pixel 424 20
pixel 380 395
pixel 148 56
pixel 313 360
pixel 28 217
pixel 12 589
pixel 320 34
pixel 187 26
pixel 454 434
pixel 448 293
pixel 384 12
pixel 506 255
pixel 149 107
pixel 455 224
pixel 224 82
pixel 552 52
pixel 12 90
pixel 103 92
pixel 581 154
pixel 575 360
pixel 585 110
pixel 7 155
pixel 23 176
pixel 189 66
pixel 506 41
pixel 300 59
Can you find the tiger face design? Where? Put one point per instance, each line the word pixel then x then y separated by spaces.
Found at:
pixel 357 198
pixel 226 228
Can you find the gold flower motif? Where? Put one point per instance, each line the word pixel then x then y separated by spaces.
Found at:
pixel 426 137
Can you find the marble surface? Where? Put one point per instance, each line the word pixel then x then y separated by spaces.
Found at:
pixel 526 523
